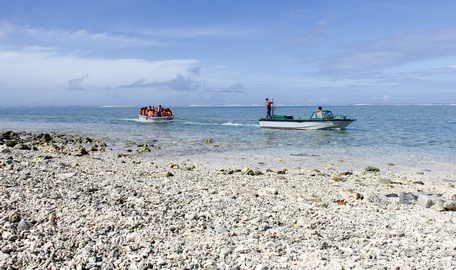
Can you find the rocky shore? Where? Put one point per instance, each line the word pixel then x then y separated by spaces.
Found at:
pixel 69 202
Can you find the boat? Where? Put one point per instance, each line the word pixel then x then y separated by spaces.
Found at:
pixel 152 114
pixel 155 118
pixel 323 119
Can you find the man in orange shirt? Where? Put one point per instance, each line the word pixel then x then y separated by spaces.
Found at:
pixel 268 108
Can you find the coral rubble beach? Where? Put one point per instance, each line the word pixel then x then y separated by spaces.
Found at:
pixel 69 202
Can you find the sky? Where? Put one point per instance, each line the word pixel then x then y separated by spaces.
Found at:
pixel 237 52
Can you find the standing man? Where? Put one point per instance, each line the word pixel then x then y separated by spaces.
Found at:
pixel 268 108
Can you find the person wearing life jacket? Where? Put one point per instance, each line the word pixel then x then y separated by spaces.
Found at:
pixel 268 108
pixel 168 112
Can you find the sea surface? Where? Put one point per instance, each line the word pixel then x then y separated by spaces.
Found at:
pixel 406 134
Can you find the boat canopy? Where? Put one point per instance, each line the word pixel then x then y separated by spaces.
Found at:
pixel 324 114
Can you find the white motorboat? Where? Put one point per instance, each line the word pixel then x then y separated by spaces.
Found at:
pixel 321 120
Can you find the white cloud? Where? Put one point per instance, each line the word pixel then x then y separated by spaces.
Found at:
pixel 27 36
pixel 44 68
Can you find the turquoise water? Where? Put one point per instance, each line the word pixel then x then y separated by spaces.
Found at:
pixel 406 132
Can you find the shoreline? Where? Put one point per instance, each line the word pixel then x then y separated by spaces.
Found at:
pixel 65 207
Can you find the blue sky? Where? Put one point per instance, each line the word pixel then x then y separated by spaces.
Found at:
pixel 207 52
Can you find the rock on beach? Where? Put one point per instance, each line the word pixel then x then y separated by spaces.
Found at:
pixel 61 209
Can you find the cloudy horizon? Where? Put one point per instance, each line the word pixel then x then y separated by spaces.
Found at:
pixel 236 52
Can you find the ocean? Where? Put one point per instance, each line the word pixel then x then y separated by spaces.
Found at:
pixel 403 134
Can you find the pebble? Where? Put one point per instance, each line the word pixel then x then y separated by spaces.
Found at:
pixel 100 210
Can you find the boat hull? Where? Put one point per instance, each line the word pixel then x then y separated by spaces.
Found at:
pixel 305 124
pixel 155 119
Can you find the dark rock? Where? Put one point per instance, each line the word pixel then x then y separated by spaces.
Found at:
pixel 10 143
pixel 392 195
pixel 45 138
pixel 8 135
pixel 371 169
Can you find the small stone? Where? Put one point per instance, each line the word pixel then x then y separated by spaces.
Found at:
pixel 15 217
pixel 247 171
pixel 392 195
pixel 425 201
pixel 46 138
pixel 268 190
pixel 348 194
pixel 407 198
pixel 161 261
pixel 315 200
pixel 22 146
pixel 450 206
pixel 173 166
pixel 66 175
pixel 375 199
pixel 224 252
pixel 10 143
pixel 386 181
pixel 24 225
pixel 345 173
pixel 167 174
pixel 6 151
pixel 439 205
pixel 371 169
pixel 257 172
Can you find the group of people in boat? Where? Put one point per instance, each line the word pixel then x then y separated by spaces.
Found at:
pixel 152 111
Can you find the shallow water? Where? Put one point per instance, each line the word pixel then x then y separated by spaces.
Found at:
pixel 408 134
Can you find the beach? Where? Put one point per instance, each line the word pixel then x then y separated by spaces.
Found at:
pixel 70 202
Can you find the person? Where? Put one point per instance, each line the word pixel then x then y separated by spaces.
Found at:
pixel 150 111
pixel 159 111
pixel 268 108
pixel 319 113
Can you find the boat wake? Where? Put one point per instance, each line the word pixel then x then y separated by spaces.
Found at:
pixel 232 124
